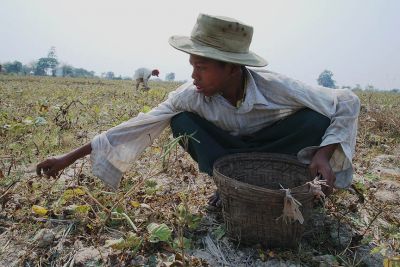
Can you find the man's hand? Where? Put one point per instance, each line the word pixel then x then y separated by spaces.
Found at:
pixel 320 165
pixel 52 166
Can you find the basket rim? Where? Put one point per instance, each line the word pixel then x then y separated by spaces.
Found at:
pixel 273 156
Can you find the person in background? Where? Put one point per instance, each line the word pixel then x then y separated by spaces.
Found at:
pixel 232 108
pixel 142 75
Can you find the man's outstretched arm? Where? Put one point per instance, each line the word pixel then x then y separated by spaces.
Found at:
pixel 53 165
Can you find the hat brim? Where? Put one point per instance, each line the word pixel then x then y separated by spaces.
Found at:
pixel 187 45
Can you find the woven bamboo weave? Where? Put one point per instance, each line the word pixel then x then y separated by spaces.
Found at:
pixel 252 200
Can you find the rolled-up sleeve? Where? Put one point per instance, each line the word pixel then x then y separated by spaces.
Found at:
pixel 342 107
pixel 114 150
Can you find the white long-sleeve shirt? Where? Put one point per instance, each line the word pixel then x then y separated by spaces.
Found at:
pixel 269 97
pixel 143 73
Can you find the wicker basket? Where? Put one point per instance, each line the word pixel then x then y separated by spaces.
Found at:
pixel 252 199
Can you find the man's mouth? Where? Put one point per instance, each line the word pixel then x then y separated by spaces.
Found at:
pixel 198 87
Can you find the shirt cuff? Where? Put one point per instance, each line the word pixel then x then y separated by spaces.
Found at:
pixel 109 174
pixel 342 168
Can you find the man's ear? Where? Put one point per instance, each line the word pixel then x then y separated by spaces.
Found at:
pixel 234 69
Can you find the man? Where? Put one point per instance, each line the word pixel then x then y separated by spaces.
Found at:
pixel 232 109
pixel 142 75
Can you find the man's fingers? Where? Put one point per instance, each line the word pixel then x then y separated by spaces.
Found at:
pixel 41 166
pixel 50 172
pixel 313 171
pixel 38 171
pixel 46 167
pixel 329 177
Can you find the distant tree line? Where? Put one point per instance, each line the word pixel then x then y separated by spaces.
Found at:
pixel 326 79
pixel 69 71
pixel 46 66
pixel 50 66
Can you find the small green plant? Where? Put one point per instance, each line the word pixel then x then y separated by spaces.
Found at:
pixel 371 177
pixel 145 109
pixel 181 243
pixel 183 139
pixel 159 233
pixel 131 242
pixel 219 232
pixel 185 218
pixel 360 187
pixel 126 217
pixel 151 187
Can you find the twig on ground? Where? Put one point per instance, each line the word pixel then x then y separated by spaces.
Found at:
pixel 8 188
pixel 64 235
pixel 5 246
pixel 382 209
pixel 134 187
pixel 41 219
pixel 70 261
pixel 94 199
pixel 37 149
pixel 126 218
pixel 12 163
pixel 215 251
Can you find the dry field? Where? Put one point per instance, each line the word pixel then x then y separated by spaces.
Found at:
pixel 158 217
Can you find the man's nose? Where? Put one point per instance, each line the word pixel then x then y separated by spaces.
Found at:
pixel 194 75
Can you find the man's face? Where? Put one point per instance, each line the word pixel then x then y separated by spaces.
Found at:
pixel 209 76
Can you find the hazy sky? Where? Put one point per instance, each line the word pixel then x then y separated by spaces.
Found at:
pixel 358 40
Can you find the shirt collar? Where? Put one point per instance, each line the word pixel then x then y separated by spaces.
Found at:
pixel 253 94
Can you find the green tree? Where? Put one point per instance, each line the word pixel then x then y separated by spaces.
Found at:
pixel 52 60
pixel 80 72
pixel 47 65
pixel 41 66
pixel 13 67
pixel 67 70
pixel 170 77
pixel 325 79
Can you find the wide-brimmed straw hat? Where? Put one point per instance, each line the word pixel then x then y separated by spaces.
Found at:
pixel 221 38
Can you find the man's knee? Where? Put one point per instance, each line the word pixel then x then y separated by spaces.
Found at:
pixel 315 122
pixel 179 121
